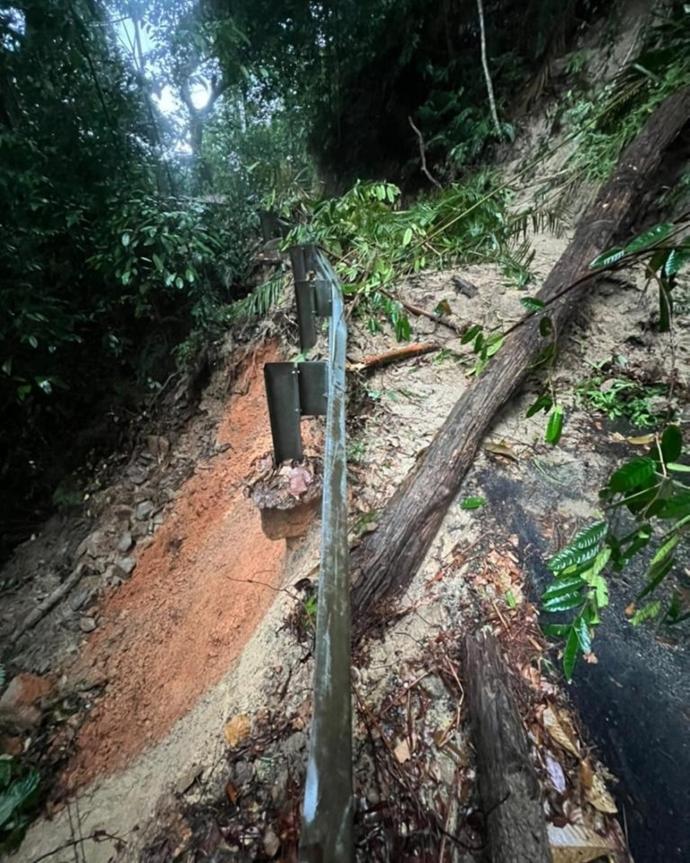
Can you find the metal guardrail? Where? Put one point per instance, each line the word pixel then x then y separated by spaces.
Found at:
pixel 326 835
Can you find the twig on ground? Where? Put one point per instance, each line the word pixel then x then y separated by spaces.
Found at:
pixel 96 836
pixel 404 352
pixel 417 310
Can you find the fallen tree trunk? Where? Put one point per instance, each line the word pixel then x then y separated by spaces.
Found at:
pixel 508 784
pixel 387 559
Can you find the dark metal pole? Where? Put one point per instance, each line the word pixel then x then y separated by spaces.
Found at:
pixel 328 803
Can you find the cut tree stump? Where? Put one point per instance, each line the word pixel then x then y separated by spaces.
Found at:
pixel 508 786
pixel 388 558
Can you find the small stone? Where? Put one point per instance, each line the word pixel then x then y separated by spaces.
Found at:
pixel 137 474
pixel 271 843
pixel 126 564
pixel 11 745
pixel 144 509
pixel 243 773
pixel 20 702
pixel 125 542
pixel 279 787
pixel 87 624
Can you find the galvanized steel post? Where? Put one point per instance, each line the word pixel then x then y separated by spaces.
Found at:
pixel 328 802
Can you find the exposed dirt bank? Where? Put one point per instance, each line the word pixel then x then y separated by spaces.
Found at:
pixel 175 628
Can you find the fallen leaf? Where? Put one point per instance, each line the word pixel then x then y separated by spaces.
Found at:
pixel 641 440
pixel 586 775
pixel 590 657
pixel 630 610
pixel 237 729
pixel 577 844
pixel 599 796
pixel 501 448
pixel 556 774
pixel 560 729
pixel 443 308
pixel 402 751
pixel 231 793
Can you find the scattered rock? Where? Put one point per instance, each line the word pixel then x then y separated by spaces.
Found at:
pixel 144 509
pixel 243 773
pixel 125 542
pixel 20 705
pixel 158 446
pixel 86 592
pixel 87 624
pixel 271 843
pixel 126 564
pixel 122 512
pixel 11 745
pixel 279 787
pixel 137 474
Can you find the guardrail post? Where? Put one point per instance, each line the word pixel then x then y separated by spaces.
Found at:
pixel 314 388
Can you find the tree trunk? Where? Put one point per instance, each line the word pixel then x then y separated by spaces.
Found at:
pixel 487 74
pixel 508 784
pixel 387 559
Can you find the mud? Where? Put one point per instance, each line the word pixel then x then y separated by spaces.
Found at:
pixel 175 628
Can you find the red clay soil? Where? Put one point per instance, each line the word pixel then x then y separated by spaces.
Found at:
pixel 176 627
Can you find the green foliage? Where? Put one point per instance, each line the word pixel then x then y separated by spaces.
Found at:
pixel 622 398
pixel 472 503
pixel 18 795
pixel 607 119
pixel 376 242
pixel 644 485
pixel 667 250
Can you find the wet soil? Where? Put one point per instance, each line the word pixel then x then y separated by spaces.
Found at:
pixel 173 630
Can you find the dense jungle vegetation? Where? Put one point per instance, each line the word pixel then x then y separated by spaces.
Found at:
pixel 138 140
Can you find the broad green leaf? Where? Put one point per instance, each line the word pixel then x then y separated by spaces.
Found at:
pixel 532 304
pixel 649 238
pixel 671 443
pixel 125 239
pixel 677 506
pixel 16 795
pixel 607 259
pixel 511 602
pixel 545 327
pixel 470 334
pixel 472 502
pixel 676 260
pixel 665 307
pixel 564 602
pixel 601 590
pixel 562 586
pixel 632 474
pixel 493 345
pixel 554 426
pixel 599 564
pixel 583 634
pixel 647 612
pixel 543 403
pixel 665 550
pixel 556 630
pixel 678 468
pixel 407 237
pixel 581 549
pixel 570 650
pixel 656 575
